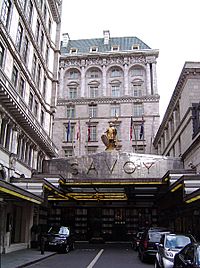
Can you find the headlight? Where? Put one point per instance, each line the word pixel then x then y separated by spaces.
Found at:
pixel 169 254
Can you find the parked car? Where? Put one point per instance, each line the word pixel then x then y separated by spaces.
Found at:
pixel 136 240
pixel 147 247
pixel 188 257
pixel 169 245
pixel 59 239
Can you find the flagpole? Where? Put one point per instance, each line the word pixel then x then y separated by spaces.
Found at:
pixel 152 133
pixel 79 137
pixel 136 147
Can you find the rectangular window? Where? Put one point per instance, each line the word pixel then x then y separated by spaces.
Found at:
pixel 38 76
pixel 115 91
pixel 92 111
pixel 49 26
pixel 70 134
pixel 118 128
pixel 45 13
pixel 138 109
pixel 21 87
pixel 30 103
pixel 137 91
pixel 68 152
pixel 93 133
pixel 37 31
pixel 73 50
pixel 42 118
pixel 92 150
pixel 44 87
pixel 2 52
pixel 115 48
pixel 30 11
pixel 47 55
pixel 25 49
pixel 5 12
pixel 115 110
pixel 19 37
pixel 71 112
pixel 36 108
pixel 34 66
pixel 72 93
pixel 93 92
pixel 14 76
pixel 23 4
pixel 41 41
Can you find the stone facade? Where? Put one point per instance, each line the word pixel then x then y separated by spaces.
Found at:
pixel 101 81
pixel 179 131
pixel 29 50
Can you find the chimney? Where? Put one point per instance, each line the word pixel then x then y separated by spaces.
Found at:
pixel 65 39
pixel 106 35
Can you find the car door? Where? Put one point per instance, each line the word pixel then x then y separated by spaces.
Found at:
pixel 185 258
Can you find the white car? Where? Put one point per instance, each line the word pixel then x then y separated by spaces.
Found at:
pixel 169 245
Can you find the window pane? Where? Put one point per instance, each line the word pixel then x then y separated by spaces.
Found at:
pixel 72 93
pixel 115 72
pixel 5 12
pixel 137 91
pixel 115 91
pixel 2 51
pixel 93 92
pixel 19 37
pixel 137 110
pixel 14 76
pixel 70 112
pixel 93 111
pixel 21 87
pixel 115 110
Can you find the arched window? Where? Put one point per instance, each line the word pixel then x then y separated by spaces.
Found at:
pixel 116 72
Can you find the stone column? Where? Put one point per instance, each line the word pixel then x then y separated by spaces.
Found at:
pixel 125 79
pixel 148 79
pixel 14 140
pixel 154 77
pixel 61 83
pixel 35 155
pixel 174 119
pixel 104 81
pixel 83 93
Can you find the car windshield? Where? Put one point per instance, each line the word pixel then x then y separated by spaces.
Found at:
pixel 176 241
pixel 198 255
pixel 155 236
pixel 59 230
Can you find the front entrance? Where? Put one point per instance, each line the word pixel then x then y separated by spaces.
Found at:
pixel 104 223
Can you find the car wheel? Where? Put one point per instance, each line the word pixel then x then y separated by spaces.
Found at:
pixel 67 248
pixel 156 264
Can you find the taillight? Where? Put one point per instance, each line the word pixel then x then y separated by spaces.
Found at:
pixel 145 244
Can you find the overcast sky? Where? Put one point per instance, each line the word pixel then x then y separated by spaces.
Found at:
pixel 170 26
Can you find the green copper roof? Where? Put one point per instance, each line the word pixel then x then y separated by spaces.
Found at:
pixel 85 45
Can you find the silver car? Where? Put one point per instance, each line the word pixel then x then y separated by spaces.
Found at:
pixel 169 245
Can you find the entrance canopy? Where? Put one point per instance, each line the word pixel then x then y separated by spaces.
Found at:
pixel 112 176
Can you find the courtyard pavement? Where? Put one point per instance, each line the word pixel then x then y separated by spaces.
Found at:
pixel 22 258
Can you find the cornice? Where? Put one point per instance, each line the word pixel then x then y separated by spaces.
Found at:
pixel 103 59
pixel 108 100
